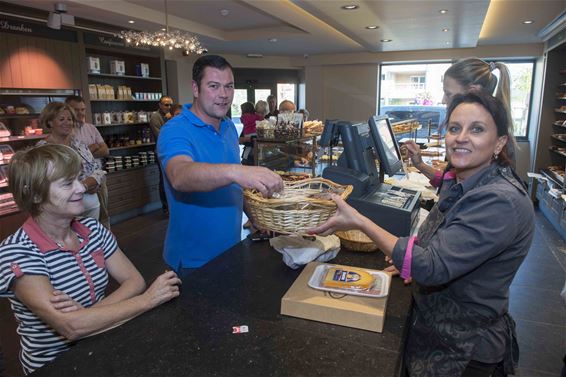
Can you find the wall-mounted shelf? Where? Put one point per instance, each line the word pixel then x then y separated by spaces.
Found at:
pixel 123 76
pixel 22 138
pixel 132 146
pixel 122 124
pixel 124 100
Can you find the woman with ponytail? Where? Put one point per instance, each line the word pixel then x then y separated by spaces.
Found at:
pixel 465 76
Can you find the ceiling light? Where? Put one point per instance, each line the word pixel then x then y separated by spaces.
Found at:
pixel 372 27
pixel 163 38
pixel 59 17
pixel 224 12
pixel 387 40
pixel 131 22
pixel 445 29
pixel 528 22
pixel 447 42
pixel 349 7
pixel 443 11
pixel 163 29
pixel 272 40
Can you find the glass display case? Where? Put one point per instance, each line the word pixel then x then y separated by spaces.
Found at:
pixel 293 154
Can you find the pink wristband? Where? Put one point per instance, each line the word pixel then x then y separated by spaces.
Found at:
pixel 406 270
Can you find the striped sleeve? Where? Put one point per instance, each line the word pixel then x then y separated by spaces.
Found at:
pixel 103 235
pixel 17 260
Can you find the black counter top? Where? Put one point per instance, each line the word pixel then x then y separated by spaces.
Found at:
pixel 192 335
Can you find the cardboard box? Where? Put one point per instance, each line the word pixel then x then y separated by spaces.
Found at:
pixel 302 301
pixel 93 64
pixel 117 67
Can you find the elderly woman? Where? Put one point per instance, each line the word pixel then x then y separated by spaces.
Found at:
pixel 60 119
pixel 55 268
pixel 466 253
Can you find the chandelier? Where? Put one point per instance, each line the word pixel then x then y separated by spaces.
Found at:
pixel 164 38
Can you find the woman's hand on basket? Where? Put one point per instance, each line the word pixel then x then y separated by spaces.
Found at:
pixel 260 178
pixel 346 218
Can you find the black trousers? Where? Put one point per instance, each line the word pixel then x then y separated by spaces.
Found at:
pixel 479 369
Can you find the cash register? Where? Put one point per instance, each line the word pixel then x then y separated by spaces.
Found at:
pixel 395 209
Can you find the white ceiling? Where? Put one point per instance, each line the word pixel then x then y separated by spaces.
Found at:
pixel 322 27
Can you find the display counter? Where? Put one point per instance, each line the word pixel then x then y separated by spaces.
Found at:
pixel 193 335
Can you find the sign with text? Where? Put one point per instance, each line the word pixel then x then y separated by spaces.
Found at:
pixel 32 29
pixel 115 42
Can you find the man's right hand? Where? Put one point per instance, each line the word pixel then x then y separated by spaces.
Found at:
pixel 261 179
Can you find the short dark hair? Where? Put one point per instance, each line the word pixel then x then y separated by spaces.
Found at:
pixel 214 61
pixel 495 108
pixel 73 98
pixel 247 108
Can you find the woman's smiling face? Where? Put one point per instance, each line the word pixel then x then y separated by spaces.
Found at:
pixel 471 139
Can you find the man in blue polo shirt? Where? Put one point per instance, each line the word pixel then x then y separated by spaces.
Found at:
pixel 204 178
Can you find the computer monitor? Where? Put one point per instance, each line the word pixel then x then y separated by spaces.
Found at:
pixel 359 151
pixel 386 146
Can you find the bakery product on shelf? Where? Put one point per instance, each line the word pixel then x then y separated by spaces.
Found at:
pixel 347 277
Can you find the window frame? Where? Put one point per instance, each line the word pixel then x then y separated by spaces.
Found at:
pixel 507 60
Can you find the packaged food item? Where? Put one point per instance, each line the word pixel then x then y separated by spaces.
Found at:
pixel 347 278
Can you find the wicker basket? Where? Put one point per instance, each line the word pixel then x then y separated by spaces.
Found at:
pixel 295 211
pixel 356 240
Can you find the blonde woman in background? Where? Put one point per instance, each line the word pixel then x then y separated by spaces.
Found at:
pixel 60 119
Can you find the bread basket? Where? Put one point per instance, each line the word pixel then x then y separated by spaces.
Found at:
pixel 356 240
pixel 301 206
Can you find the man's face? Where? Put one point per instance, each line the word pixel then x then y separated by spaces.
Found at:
pixel 165 104
pixel 215 94
pixel 80 110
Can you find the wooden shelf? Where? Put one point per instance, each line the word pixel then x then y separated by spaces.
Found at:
pixel 21 138
pixel 131 169
pixel 122 124
pixel 123 76
pixel 560 111
pixel 131 146
pixel 561 97
pixel 560 124
pixel 37 92
pixel 560 153
pixel 124 100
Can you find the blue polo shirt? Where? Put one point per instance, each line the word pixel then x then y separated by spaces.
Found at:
pixel 202 225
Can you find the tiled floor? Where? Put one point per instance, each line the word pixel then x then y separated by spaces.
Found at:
pixel 535 294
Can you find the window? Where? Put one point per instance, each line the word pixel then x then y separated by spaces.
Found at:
pixel 415 91
pixel 286 92
pixel 261 94
pixel 521 87
pixel 240 96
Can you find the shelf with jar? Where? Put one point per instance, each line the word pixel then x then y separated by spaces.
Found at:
pixel 558 151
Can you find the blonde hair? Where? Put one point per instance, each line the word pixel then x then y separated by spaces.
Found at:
pixel 50 111
pixel 261 107
pixel 31 172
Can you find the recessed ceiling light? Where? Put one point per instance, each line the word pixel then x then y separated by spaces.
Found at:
pixel 372 27
pixel 447 42
pixel 224 12
pixel 131 22
pixel 445 29
pixel 349 7
pixel 528 22
pixel 443 11
pixel 387 40
pixel 272 40
pixel 163 29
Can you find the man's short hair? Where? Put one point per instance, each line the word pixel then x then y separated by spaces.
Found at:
pixel 214 61
pixel 70 99
pixel 163 97
pixel 287 105
pixel 32 170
